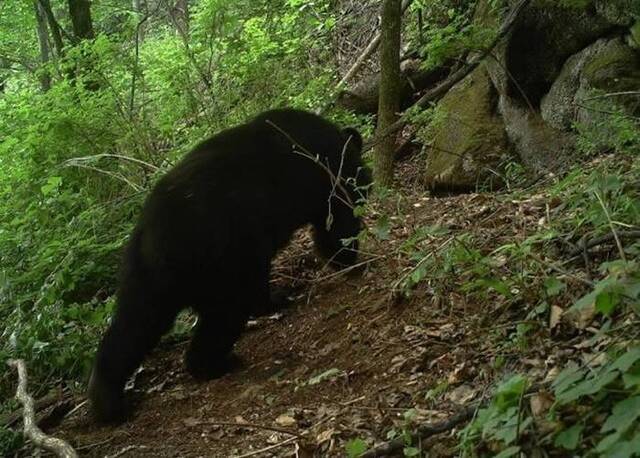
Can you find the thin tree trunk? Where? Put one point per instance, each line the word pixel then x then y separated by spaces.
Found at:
pixel 389 95
pixel 43 40
pixel 54 27
pixel 181 17
pixel 140 7
pixel 80 13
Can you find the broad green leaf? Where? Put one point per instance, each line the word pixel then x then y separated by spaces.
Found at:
pixel 606 302
pixel 509 392
pixel 507 452
pixel 624 362
pixel 624 414
pixel 586 387
pixel 569 438
pixel 411 451
pixel 381 228
pixel 553 286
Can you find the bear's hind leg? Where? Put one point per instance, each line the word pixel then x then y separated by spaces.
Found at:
pixel 210 351
pixel 141 319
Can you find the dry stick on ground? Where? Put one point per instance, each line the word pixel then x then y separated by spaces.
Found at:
pixel 587 244
pixel 266 449
pixel 459 75
pixel 251 426
pixel 39 404
pixel 424 432
pixel 31 430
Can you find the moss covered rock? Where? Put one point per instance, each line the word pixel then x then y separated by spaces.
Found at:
pixel 608 66
pixel 469 142
pixel 618 12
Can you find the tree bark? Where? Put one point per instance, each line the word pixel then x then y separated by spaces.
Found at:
pixel 43 40
pixel 80 13
pixel 181 17
pixel 389 95
pixel 54 27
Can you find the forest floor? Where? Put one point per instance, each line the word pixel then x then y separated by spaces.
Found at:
pixel 350 359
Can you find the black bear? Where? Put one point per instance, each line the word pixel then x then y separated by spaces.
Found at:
pixel 209 230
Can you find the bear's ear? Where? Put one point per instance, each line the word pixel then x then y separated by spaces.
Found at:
pixel 353 137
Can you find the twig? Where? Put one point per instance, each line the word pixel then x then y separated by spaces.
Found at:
pixel 266 449
pixel 459 75
pixel 611 226
pixel 39 404
pixel 251 426
pixel 424 432
pixel 306 153
pixel 115 176
pixel 560 270
pixel 585 245
pixel 31 430
pixel 75 160
pixel 127 449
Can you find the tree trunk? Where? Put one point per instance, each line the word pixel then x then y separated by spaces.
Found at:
pixel 80 13
pixel 181 17
pixel 389 95
pixel 43 39
pixel 54 27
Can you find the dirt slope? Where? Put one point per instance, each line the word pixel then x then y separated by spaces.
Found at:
pixel 347 361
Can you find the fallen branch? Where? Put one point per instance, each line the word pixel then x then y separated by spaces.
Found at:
pixel 442 88
pixel 267 449
pixel 31 430
pixel 424 432
pixel 39 405
pixel 587 244
pixel 251 426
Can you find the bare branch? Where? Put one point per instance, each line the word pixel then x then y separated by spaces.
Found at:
pixel 31 430
pixel 424 431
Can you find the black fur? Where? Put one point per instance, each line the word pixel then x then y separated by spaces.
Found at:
pixel 208 232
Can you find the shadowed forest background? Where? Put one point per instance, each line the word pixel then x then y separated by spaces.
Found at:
pixel 496 313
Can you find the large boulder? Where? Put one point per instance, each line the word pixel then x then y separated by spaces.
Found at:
pixel 618 12
pixel 524 67
pixel 469 142
pixel 609 65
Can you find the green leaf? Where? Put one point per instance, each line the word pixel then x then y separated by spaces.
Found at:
pixel 381 228
pixel 631 379
pixel 624 362
pixel 52 185
pixel 411 451
pixel 553 286
pixel 569 439
pixel 586 387
pixel 624 414
pixel 355 447
pixel 323 376
pixel 507 452
pixel 508 393
pixel 606 302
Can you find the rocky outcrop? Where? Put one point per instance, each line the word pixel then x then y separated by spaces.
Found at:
pixel 608 65
pixel 470 142
pixel 552 61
